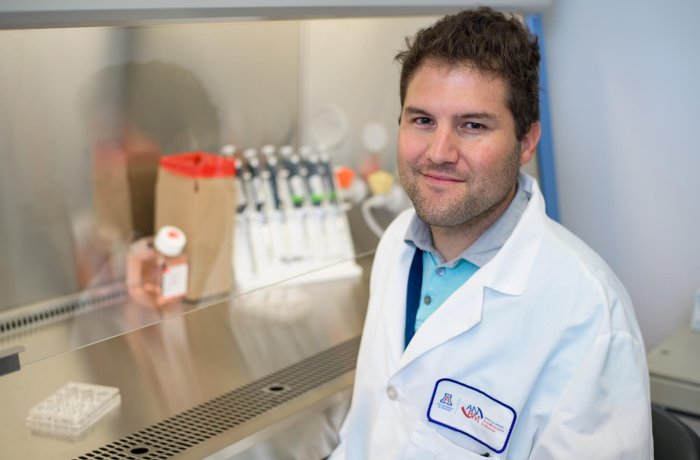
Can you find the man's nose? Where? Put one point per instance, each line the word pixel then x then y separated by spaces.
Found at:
pixel 443 146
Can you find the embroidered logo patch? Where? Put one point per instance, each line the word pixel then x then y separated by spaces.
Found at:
pixel 472 412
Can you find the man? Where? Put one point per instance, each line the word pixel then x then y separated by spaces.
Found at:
pixel 491 330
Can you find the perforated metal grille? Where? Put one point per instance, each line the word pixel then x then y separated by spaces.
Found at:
pixel 51 311
pixel 187 429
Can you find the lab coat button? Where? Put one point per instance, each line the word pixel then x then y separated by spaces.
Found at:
pixel 392 393
pixel 427 300
pixel 440 271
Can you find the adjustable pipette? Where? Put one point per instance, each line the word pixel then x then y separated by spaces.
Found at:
pixel 269 178
pixel 295 181
pixel 242 234
pixel 314 181
pixel 326 171
pixel 241 195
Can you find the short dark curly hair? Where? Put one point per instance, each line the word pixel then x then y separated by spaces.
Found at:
pixel 491 42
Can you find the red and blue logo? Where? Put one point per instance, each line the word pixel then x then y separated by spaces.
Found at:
pixel 473 413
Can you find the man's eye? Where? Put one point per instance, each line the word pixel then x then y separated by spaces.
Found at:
pixel 473 126
pixel 423 121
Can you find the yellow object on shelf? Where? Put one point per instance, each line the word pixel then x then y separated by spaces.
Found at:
pixel 380 182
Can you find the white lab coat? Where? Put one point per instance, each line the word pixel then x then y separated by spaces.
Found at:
pixel 545 327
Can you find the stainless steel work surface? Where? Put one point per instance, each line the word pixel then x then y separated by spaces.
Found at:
pixel 183 362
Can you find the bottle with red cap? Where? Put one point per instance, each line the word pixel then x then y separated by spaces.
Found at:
pixel 158 269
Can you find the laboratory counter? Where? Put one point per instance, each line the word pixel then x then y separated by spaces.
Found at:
pixel 265 374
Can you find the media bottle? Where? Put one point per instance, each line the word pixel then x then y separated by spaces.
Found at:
pixel 157 270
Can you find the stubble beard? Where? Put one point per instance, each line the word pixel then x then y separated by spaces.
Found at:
pixel 478 201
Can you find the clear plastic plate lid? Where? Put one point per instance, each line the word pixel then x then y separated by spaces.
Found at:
pixel 72 409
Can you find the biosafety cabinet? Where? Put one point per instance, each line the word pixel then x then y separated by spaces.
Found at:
pixel 93 97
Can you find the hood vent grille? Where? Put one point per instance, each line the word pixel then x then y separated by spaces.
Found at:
pixel 47 312
pixel 176 434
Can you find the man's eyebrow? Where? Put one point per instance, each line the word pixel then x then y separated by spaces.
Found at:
pixel 416 110
pixel 479 115
pixel 469 115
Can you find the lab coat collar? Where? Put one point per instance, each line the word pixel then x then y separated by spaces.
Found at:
pixel 510 269
pixel 507 273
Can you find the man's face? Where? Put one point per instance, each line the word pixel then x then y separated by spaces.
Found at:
pixel 458 157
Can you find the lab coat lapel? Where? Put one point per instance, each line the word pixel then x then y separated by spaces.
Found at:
pixel 395 314
pixel 459 313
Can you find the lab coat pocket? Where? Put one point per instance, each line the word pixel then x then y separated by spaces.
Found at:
pixel 427 444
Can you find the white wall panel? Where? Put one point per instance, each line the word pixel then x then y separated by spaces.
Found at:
pixel 625 109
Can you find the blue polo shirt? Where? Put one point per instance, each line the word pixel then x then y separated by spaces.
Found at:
pixel 441 278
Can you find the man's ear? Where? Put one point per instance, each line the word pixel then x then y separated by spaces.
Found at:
pixel 528 146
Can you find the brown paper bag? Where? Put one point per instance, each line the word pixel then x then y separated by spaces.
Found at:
pixel 195 192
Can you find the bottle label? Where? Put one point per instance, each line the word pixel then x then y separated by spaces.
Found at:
pixel 174 281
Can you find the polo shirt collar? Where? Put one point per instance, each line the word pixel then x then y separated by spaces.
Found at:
pixel 487 245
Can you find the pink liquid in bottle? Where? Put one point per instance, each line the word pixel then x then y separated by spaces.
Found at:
pixel 157 269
